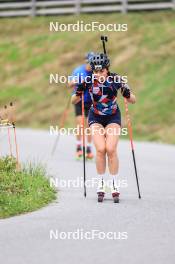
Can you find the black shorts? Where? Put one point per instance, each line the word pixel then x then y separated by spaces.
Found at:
pixel 104 120
pixel 78 109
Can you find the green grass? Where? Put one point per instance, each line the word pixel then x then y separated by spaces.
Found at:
pixel 145 53
pixel 23 191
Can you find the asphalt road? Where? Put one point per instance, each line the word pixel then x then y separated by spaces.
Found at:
pixel 144 229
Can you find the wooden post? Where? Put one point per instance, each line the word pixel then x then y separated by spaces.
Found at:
pixel 124 6
pixel 77 6
pixel 33 8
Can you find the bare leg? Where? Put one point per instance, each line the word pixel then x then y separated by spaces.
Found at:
pixel 78 123
pixel 112 137
pixel 98 136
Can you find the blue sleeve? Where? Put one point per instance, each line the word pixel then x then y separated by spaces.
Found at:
pixel 74 74
pixel 79 73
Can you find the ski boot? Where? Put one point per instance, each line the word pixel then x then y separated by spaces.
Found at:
pixel 89 154
pixel 79 153
pixel 101 192
pixel 115 194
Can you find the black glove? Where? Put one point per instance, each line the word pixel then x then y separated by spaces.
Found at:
pixel 126 92
pixel 80 89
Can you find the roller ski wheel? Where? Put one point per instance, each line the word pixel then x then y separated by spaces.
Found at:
pixel 115 196
pixel 79 158
pixel 79 153
pixel 89 154
pixel 101 192
pixel 100 197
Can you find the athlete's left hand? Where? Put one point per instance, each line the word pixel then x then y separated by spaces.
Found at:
pixel 126 92
pixel 80 89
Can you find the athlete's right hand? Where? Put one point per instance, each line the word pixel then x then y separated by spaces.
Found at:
pixel 80 89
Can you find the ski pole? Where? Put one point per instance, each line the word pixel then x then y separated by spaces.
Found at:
pixel 84 158
pixel 8 129
pixel 62 122
pixel 9 140
pixel 104 39
pixel 13 120
pixel 132 144
pixel 16 146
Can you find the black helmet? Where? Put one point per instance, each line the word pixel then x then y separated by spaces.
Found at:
pixel 99 61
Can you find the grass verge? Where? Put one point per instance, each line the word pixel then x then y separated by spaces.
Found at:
pixel 23 191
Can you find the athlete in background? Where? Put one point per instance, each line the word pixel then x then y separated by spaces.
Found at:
pixel 78 76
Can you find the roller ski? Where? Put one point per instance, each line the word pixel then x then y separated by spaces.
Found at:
pixel 79 153
pixel 89 154
pixel 115 193
pixel 101 192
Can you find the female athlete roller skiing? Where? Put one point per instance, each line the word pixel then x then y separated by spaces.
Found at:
pixel 105 119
